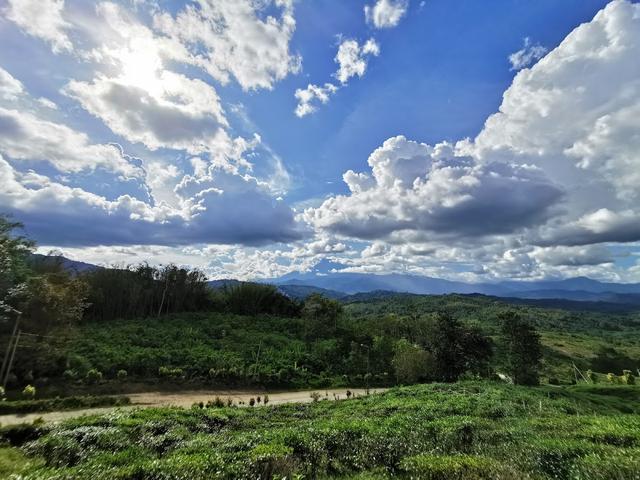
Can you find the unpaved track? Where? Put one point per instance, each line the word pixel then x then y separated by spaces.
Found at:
pixel 186 399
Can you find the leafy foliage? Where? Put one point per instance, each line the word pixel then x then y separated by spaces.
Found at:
pixel 523 350
pixel 437 431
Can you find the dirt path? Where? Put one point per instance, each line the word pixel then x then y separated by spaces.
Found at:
pixel 186 399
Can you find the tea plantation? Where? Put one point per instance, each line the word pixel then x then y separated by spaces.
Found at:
pixel 466 430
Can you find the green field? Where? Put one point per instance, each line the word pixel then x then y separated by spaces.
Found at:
pixel 214 349
pixel 468 430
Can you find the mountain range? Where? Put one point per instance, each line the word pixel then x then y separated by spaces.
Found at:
pixel 575 289
pixel 339 285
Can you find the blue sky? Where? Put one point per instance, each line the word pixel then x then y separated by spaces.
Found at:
pixel 451 138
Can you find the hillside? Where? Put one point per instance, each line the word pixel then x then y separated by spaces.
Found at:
pixel 221 349
pixel 463 431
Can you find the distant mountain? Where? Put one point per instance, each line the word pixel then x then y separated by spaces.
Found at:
pixel 300 292
pixel 71 265
pixel 223 283
pixel 574 289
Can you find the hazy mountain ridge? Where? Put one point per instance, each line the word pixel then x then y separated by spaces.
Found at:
pixel 344 285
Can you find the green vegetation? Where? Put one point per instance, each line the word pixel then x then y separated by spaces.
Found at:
pixel 467 430
pixel 64 403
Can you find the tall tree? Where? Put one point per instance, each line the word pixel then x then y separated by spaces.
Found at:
pixel 523 350
pixel 456 348
pixel 14 271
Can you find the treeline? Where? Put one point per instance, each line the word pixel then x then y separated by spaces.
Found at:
pixel 144 291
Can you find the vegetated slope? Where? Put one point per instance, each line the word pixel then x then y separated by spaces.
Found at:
pixel 216 349
pixel 604 341
pixel 437 431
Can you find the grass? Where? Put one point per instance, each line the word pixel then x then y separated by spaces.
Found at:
pixel 469 430
pixel 57 404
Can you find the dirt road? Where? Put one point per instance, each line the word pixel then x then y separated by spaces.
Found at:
pixel 186 399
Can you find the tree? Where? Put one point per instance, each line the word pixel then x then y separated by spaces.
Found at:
pixel 321 314
pixel 14 271
pixel 411 362
pixel 457 348
pixel 523 350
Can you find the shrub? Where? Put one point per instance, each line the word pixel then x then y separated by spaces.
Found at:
pixel 215 403
pixel 29 391
pixel 455 467
pixel 315 396
pixel 612 378
pixel 628 378
pixel 69 375
pixel 166 372
pixel 94 376
pixel 121 375
pixel 2 393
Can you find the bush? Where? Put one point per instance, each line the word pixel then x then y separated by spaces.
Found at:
pixel 455 467
pixel 121 375
pixel 215 403
pixel 628 378
pixel 69 375
pixel 29 391
pixel 94 376
pixel 166 372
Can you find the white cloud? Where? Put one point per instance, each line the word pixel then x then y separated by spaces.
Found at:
pixel 10 87
pixel 45 102
pixel 236 38
pixel 578 106
pixel 352 58
pixel 527 55
pixel 386 13
pixel 416 187
pixel 24 136
pixel 176 112
pixel 307 97
pixel 42 19
pixel 230 209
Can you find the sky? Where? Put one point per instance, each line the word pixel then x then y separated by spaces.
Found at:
pixel 476 141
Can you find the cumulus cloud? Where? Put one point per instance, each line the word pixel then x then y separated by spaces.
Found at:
pixel 308 97
pixel 236 38
pixel 528 54
pixel 589 86
pixel 573 256
pixel 42 19
pixel 600 226
pixel 232 210
pixel 179 113
pixel 25 136
pixel 417 187
pixel 352 58
pixel 386 13
pixel 10 87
